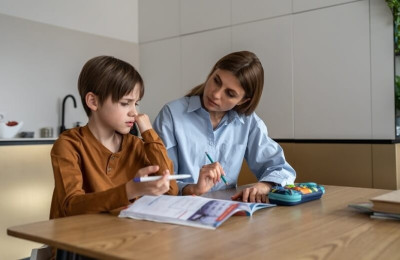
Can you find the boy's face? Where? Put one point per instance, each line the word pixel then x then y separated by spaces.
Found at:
pixel 120 116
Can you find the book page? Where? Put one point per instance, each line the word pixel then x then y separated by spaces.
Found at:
pixel 175 207
pixel 188 210
pixel 198 210
pixel 250 208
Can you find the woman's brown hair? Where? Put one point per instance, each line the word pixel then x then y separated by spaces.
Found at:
pixel 248 70
pixel 105 76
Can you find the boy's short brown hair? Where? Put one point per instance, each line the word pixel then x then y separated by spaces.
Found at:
pixel 105 76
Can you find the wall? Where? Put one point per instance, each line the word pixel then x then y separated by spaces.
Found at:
pixel 112 19
pixel 40 65
pixel 328 64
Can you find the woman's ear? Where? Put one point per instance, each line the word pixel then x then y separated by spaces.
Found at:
pixel 91 101
pixel 244 100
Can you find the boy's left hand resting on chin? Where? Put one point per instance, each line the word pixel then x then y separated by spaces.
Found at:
pixel 256 193
pixel 143 122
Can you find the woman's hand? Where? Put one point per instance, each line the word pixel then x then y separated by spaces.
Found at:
pixel 143 122
pixel 209 175
pixel 158 187
pixel 256 193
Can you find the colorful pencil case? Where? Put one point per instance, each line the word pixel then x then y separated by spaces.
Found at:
pixel 295 194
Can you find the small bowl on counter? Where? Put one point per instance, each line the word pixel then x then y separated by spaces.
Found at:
pixel 10 129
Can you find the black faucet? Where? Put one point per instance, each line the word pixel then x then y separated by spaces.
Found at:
pixel 62 127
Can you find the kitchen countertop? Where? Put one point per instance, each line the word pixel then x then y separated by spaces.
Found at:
pixel 27 141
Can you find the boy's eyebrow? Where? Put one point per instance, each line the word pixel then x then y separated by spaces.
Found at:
pixel 130 99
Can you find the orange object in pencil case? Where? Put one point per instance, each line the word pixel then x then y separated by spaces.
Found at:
pixel 295 194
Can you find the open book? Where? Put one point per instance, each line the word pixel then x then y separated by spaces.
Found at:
pixel 188 210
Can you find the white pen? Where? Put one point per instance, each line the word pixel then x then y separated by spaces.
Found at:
pixel 154 178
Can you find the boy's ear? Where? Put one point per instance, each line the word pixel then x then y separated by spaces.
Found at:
pixel 91 101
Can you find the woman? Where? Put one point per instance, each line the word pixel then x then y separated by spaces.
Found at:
pixel 218 118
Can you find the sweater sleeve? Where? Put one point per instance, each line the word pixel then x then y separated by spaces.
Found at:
pixel 70 197
pixel 157 155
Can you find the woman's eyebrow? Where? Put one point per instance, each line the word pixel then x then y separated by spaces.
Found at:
pixel 222 83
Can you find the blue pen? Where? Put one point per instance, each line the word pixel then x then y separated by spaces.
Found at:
pixel 211 160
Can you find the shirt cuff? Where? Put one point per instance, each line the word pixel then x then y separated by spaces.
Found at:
pixel 279 180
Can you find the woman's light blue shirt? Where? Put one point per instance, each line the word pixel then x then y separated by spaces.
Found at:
pixel 186 129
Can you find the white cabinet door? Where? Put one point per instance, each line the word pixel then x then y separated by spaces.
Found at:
pixel 271 41
pixel 253 10
pixel 158 19
pixel 204 15
pixel 160 68
pixel 304 5
pixel 200 52
pixel 382 71
pixel 332 82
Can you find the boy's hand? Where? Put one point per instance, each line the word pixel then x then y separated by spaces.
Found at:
pixel 256 193
pixel 143 122
pixel 158 187
pixel 209 175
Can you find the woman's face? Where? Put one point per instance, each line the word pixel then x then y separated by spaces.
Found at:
pixel 222 92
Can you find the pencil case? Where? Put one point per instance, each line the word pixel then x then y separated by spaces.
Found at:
pixel 295 194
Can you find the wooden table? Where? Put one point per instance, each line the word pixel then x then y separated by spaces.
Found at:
pixel 321 229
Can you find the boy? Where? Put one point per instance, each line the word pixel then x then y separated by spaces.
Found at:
pixel 94 165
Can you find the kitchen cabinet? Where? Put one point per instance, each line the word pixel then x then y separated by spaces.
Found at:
pixel 161 70
pixel 328 68
pixel 368 165
pixel 382 71
pixel 254 10
pixel 158 19
pixel 331 73
pixel 304 5
pixel 199 52
pixel 271 40
pixel 196 16
pixel 26 188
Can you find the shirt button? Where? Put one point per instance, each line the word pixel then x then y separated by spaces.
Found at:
pixel 211 143
pixel 109 169
pixel 112 157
